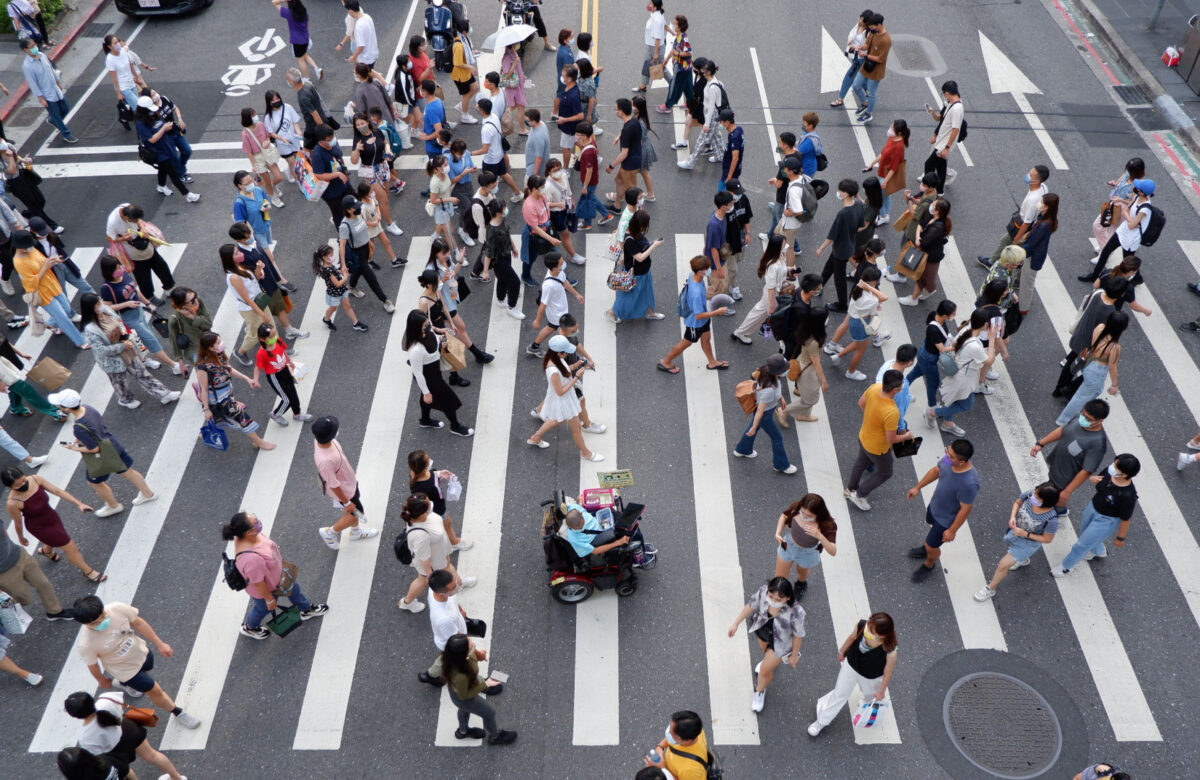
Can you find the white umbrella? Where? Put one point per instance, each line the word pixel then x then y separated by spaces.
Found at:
pixel 507 36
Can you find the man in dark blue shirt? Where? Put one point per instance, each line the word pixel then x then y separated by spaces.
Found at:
pixel 735 148
pixel 328 167
pixel 570 111
pixel 715 237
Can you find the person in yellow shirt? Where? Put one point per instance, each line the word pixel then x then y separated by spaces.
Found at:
pixel 37 276
pixel 881 418
pixel 683 751
pixel 464 74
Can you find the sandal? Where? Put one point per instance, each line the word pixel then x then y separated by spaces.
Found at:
pixel 837 103
pixel 50 554
pixel 96 576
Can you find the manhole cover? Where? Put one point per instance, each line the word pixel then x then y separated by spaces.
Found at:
pixel 913 55
pixel 1149 118
pixel 96 30
pixel 26 116
pixel 1002 726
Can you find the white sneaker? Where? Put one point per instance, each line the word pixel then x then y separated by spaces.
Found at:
pixel 139 499
pixel 516 313
pixel 396 230
pixel 854 498
pixel 468 119
pixel 951 175
pixel 907 300
pixel 1058 571
pixel 192 197
pixel 37 461
pixel 363 532
pixel 470 582
pixel 1019 565
pixel 791 469
pixel 760 698
pixel 687 165
pixel 177 370
pixel 279 419
pixel 578 259
pixel 736 293
pixel 165 190
pixel 188 720
pixel 953 429
pixel 984 389
pixel 1094 260
pixel 712 158
pixel 595 428
pixel 109 511
pixel 463 544
pixel 7 287
pixel 296 333
pixel 1181 461
pixel 815 728
pixel 535 414
pixel 277 202
pixel 358 293
pixel 984 593
pixel 303 417
pixel 895 278
pixel 763 237
pixel 857 376
pixel 752 454
pixel 389 307
pixel 413 606
pixel 993 375
pixel 135 403
pixel 33 680
pixel 880 338
pixel 330 537
pixel 882 219
pixel 831 348
pixel 466 239
pixel 170 397
pixel 1100 555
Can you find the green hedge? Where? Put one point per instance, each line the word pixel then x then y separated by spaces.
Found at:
pixel 50 9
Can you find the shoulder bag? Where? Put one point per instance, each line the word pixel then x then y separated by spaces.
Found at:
pixel 912 261
pixel 49 373
pixel 712 767
pixel 1083 305
pixel 106 460
pixel 902 221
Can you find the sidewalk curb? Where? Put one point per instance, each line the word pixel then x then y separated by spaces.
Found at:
pixel 10 105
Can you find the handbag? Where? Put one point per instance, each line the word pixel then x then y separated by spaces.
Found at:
pixel 872 325
pixel 212 436
pixel 284 620
pixel 1014 224
pixel 510 80
pixel 947 363
pixel 144 716
pixel 106 460
pixel 656 72
pixel 476 627
pixel 902 221
pixel 453 488
pixel 1012 320
pixel 621 281
pixel 454 353
pixel 13 617
pixel 49 373
pixel 908 447
pixel 1106 213
pixel 464 289
pixel 912 262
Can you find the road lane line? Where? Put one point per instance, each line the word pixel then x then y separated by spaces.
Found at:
pixel 483 503
pixel 722 591
pixel 1096 633
pixel 768 120
pixel 217 636
pixel 202 166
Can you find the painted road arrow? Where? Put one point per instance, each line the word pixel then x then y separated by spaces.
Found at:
pixel 1007 77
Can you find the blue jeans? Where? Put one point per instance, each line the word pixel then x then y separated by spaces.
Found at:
pixel 779 456
pixel 59 309
pixel 926 367
pixel 13 446
pixel 1093 384
pixel 865 90
pixel 136 320
pixel 1094 530
pixel 886 210
pixel 58 110
pixel 131 98
pixel 590 207
pixel 681 86
pixel 67 276
pixel 958 407
pixel 181 149
pixel 848 79
pixel 258 607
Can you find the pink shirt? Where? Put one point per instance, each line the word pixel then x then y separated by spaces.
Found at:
pixel 335 469
pixel 261 563
pixel 535 211
pixel 260 134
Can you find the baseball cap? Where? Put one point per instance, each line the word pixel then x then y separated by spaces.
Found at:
pixel 734 186
pixel 793 165
pixel 1145 186
pixel 22 239
pixel 67 399
pixel 726 115
pixel 325 428
pixel 351 202
pixel 146 102
pixel 560 343
pixel 38 226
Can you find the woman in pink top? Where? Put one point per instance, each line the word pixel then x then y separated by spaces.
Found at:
pixel 268 576
pixel 536 238
pixel 264 157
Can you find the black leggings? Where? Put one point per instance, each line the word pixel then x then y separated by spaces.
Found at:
pixel 364 271
pixel 507 283
pixel 284 385
pixel 451 415
pixel 35 202
pixel 167 169
pixel 836 267
pixel 1109 248
pixel 935 163
pixel 142 270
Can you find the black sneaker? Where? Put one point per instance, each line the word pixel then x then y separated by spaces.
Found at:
pixel 916 553
pixel 315 611
pixel 187 178
pixel 799 588
pixel 62 614
pixel 329 324
pixel 503 738
pixel 430 423
pixel 476 277
pixel 922 573
pixel 528 281
pixel 259 633
pixel 288 286
pixel 459 381
pixel 462 430
pixel 986 262
pixel 360 326
pixel 399 262
pixel 435 682
pixel 472 733
pixel 1190 327
pixel 483 357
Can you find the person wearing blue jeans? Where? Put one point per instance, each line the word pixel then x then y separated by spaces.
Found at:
pixel 44 85
pixel 768 397
pixel 265 574
pixel 14 448
pixel 1108 513
pixel 872 69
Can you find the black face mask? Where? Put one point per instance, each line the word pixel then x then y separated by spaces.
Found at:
pixel 277 105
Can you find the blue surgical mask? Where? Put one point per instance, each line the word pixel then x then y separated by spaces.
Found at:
pixel 946 460
pixel 1035 501
pixel 670 738
pixel 1027 179
pixel 34 50
pixel 1113 471
pixel 103 624
pixel 1084 422
pixel 707 271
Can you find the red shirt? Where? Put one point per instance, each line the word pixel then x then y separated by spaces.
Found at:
pixel 589 166
pixel 891 155
pixel 272 361
pixel 420 64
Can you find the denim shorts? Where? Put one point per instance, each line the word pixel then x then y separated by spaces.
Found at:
pixel 1020 548
pixel 858 329
pixel 142 681
pixel 126 458
pixel 334 300
pixel 804 557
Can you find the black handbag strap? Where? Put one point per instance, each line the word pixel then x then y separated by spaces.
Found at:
pixel 691 756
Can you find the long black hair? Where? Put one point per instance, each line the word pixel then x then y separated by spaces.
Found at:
pixel 813 326
pixel 299 12
pixel 771 253
pixel 87 310
pixel 414 328
pixel 979 319
pixel 455 658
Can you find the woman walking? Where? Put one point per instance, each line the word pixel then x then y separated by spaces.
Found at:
pixel 430 550
pixel 642 113
pixel 868 661
pixel 774 618
pixel 21 181
pixel 1118 195
pixel 1102 355
pixel 29 507
pixel 268 576
pixel 681 58
pixel 871 195
pixel 561 403
pixel 865 300
pixel 1032 524
pixel 214 377
pixel 561 204
pixel 32 679
pixel 937 340
pixel 272 360
pixel 354 252
pixel 120 70
pixel 442 204
pixel 512 78
pixel 152 132
pixel 424 358
pixel 117 355
pixel 536 238
pixel 635 257
pixel 261 152
pixel 371 155
pixel 773 270
pixel 189 321
pixel 893 168
pixel 807 373
pixel 1128 232
pixel 460 672
pixel 1037 247
pixel 498 250
pixel 423 479
pixel 332 270
pixel 106 732
pixel 296 16
pixel 248 298
pixel 810 529
pixel 855 51
pixel 449 290
pixel 973 361
pixel 931 238
pixel 768 395
pixel 121 294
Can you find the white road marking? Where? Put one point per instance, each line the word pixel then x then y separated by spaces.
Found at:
pixel 833 67
pixel 203 165
pixel 768 120
pixel 1005 76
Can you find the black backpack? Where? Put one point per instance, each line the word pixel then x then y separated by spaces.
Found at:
pixel 780 320
pixel 147 155
pixel 401 548
pixel 233 578
pixel 468 218
pixel 1154 226
pixel 724 104
pixel 962 130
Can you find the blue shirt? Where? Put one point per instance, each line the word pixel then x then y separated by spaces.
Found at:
pixel 736 143
pixel 902 399
pixel 581 540
pixel 952 490
pixel 570 105
pixel 457 167
pixel 435 114
pixel 714 236
pixel 249 209
pixel 697 297
pixel 809 148
pixel 562 58
pixel 39 73
pixel 537 145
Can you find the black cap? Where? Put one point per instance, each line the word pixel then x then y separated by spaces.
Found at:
pixel 22 239
pixel 350 202
pixel 734 186
pixel 324 429
pixel 37 225
pixel 793 164
pixel 726 115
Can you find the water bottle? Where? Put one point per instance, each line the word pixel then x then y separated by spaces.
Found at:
pixel 654 756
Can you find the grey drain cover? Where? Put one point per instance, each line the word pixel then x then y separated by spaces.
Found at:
pixel 1002 726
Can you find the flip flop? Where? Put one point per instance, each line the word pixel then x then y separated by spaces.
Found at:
pixel 837 103
pixel 96 576
pixel 722 366
pixel 665 369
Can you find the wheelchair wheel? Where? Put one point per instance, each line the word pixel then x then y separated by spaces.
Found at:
pixel 627 587
pixel 573 591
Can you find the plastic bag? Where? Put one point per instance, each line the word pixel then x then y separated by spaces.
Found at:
pixel 453 488
pixel 13 617
pixel 867 714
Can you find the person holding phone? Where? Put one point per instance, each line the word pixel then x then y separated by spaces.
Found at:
pixel 804 530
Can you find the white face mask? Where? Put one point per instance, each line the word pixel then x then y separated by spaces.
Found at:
pixel 776 604
pixel 670 738
pixel 891 133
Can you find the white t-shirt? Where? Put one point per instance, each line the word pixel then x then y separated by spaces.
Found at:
pixel 862 307
pixel 1131 238
pixel 490 135
pixel 117 225
pixel 775 276
pixel 285 122
pixel 117 648
pixel 429 544
pixel 951 120
pixel 97 739
pixel 364 35
pixel 795 204
pixel 498 104
pixel 446 620
pixel 656 30
pixel 120 64
pixel 1030 203
pixel 554 296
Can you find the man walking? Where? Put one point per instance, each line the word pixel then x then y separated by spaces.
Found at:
pixel 737 231
pixel 955 494
pixel 570 113
pixel 312 108
pixel 537 145
pixel 872 70
pixel 841 238
pixel 364 41
pixel 19 571
pixel 949 127
pixel 44 85
pixel 629 161
pixel 697 319
pixel 339 482
pixel 446 618
pixel 1022 220
pixel 1080 451
pixel 881 419
pixel 735 149
pixel 716 247
pixel 786 147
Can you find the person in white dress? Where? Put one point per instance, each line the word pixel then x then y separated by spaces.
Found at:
pixel 773 270
pixel 562 403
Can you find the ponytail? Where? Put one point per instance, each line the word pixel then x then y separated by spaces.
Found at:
pixel 416 506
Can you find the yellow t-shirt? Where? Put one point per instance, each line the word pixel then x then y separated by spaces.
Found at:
pixel 27 263
pixel 880 415
pixel 682 768
pixel 461 71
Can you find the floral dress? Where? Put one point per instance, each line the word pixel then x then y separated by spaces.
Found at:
pixel 228 412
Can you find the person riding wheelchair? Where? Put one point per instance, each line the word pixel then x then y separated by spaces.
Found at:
pixel 603 538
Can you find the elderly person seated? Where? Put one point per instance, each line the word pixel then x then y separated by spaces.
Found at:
pixel 588 536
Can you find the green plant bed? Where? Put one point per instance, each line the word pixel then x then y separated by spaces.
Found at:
pixel 50 10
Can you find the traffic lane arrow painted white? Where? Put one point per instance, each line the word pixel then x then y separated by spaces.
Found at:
pixel 1005 76
pixel 831 61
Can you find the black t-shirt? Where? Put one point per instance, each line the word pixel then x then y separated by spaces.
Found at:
pixel 869 664
pixel 328 161
pixel 935 337
pixel 372 153
pixel 843 229
pixel 933 240
pixel 1130 291
pixel 1114 500
pixel 781 175
pixel 310 101
pixel 736 219
pixel 635 245
pixel 631 139
pixel 430 489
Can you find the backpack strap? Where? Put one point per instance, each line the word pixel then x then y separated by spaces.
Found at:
pixel 691 756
